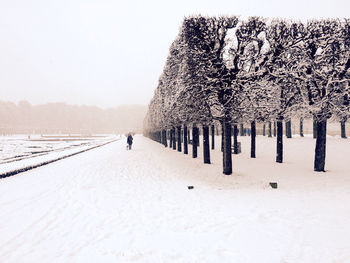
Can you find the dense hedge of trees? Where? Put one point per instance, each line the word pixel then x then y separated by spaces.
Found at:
pixel 222 70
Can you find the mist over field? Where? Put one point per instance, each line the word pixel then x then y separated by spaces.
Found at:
pixel 65 118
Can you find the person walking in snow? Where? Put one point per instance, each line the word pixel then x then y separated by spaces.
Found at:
pixel 129 140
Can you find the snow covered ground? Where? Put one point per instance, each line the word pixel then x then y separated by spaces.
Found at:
pixel 20 152
pixel 113 205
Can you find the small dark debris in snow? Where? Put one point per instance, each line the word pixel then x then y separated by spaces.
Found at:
pixel 190 187
pixel 273 184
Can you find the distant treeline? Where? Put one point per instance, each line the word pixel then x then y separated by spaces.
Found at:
pixel 64 118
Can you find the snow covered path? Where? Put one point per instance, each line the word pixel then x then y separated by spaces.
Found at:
pixel 113 205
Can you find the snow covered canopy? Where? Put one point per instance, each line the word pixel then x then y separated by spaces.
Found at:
pixel 223 68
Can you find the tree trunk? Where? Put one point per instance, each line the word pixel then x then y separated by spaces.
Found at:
pixel 241 128
pixel 235 142
pixel 197 137
pixel 253 139
pixel 279 155
pixel 274 129
pixel 320 150
pixel 264 129
pixel 270 129
pixel 289 129
pixel 343 130
pixel 212 137
pixel 174 139
pixel 314 128
pixel 206 148
pixel 194 141
pixel 301 127
pixel 222 136
pixel 165 141
pixel 185 140
pixel 156 136
pixel 171 138
pixel 179 149
pixel 227 153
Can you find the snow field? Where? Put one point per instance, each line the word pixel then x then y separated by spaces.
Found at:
pixel 113 205
pixel 49 152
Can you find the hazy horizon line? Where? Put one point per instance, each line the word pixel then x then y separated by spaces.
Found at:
pixel 70 104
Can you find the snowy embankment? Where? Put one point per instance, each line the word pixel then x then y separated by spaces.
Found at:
pixel 14 161
pixel 113 205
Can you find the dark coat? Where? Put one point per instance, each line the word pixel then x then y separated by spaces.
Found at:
pixel 129 140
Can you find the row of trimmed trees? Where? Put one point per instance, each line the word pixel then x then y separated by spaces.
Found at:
pixel 229 71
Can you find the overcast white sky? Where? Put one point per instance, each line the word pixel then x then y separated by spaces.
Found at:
pixel 109 52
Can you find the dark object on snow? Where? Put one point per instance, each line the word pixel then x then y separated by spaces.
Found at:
pixel 129 140
pixel 190 187
pixel 273 184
